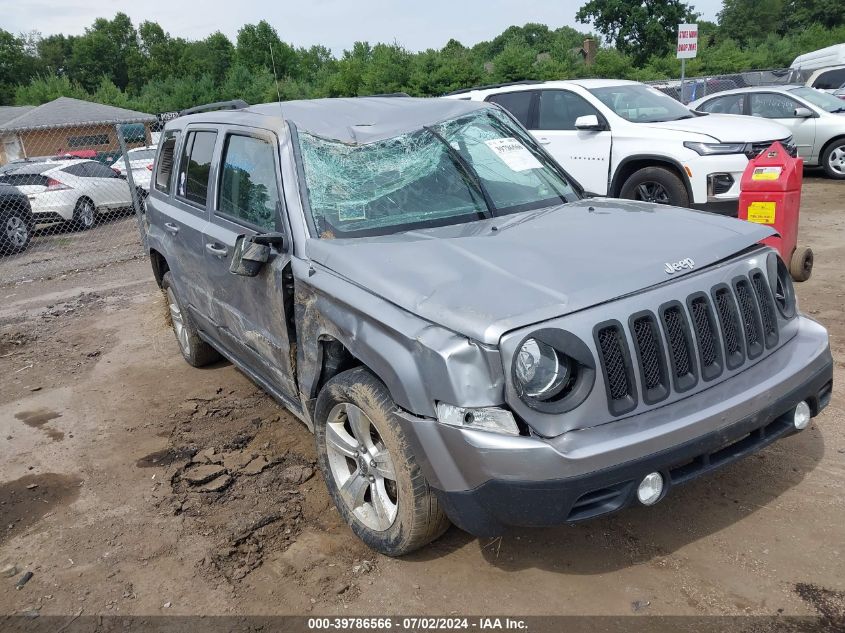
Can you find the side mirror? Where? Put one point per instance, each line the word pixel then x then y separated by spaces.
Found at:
pixel 253 251
pixel 588 122
pixel 803 113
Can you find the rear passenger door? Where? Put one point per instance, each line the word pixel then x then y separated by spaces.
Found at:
pixel 107 185
pixel 251 313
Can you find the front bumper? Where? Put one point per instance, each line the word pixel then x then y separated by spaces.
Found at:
pixel 488 482
pixel 703 166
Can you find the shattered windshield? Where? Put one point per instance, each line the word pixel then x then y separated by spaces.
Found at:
pixel 464 169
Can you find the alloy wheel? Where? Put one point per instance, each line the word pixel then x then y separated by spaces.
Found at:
pixel 178 322
pixel 17 232
pixel 836 160
pixel 362 467
pixel 650 191
pixel 86 214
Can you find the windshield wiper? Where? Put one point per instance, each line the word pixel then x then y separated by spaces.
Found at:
pixel 464 165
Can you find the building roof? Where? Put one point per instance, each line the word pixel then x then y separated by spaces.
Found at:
pixel 67 112
pixel 8 113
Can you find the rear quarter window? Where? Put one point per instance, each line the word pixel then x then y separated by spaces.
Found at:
pixel 164 166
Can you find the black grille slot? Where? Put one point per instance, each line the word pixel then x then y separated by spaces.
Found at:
pixel 680 351
pixel 750 321
pixel 730 326
pixel 615 373
pixel 645 334
pixel 767 308
pixel 704 325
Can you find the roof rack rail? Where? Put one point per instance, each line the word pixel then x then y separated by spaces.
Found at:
pixel 524 82
pixel 234 104
pixel 391 94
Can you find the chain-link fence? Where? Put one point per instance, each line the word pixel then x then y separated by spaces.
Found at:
pixel 697 87
pixel 72 191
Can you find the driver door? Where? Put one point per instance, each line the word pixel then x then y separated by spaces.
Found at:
pixel 781 108
pixel 584 154
pixel 251 314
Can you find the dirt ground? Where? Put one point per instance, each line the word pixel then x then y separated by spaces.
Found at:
pixel 131 483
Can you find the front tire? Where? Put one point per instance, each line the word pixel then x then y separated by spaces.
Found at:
pixel 195 351
pixel 833 159
pixel 16 233
pixel 372 476
pixel 657 185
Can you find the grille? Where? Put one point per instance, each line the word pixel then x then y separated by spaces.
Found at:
pixel 704 332
pixel 749 318
pixel 678 344
pixel 767 310
pixel 645 336
pixel 738 319
pixel 753 150
pixel 728 318
pixel 613 360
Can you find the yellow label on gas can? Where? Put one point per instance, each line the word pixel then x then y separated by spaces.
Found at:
pixel 762 212
pixel 766 173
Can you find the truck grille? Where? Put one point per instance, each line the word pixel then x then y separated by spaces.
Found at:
pixel 721 329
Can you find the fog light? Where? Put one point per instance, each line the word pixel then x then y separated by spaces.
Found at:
pixel 801 417
pixel 650 489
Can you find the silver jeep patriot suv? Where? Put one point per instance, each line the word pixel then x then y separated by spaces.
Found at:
pixel 469 338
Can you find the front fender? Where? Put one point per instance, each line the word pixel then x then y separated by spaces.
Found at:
pixel 419 362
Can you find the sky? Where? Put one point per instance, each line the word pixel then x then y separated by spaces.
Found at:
pixel 333 23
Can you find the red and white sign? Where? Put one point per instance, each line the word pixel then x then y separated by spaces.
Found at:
pixel 687 41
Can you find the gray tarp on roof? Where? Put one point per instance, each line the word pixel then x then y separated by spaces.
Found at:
pixel 67 112
pixel 362 120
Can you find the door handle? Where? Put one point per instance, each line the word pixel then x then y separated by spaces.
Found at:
pixel 544 141
pixel 218 250
pixel 171 228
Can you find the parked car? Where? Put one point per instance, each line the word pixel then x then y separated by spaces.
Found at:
pixel 823 69
pixel 141 163
pixel 816 119
pixel 16 222
pixel 467 336
pixel 628 140
pixel 70 190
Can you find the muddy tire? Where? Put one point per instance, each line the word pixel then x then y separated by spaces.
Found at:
pixel 84 215
pixel 657 185
pixel 196 351
pixel 372 476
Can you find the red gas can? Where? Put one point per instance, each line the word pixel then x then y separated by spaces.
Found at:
pixel 770 193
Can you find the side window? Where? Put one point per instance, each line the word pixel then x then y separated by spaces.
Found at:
pixel 195 167
pixel 517 103
pixel 771 105
pixel 830 80
pixel 164 167
pixel 729 104
pixel 98 170
pixel 248 185
pixel 77 169
pixel 560 108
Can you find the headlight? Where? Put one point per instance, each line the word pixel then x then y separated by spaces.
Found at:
pixel 541 372
pixel 711 149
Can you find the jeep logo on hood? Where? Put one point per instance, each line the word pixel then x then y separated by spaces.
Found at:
pixel 673 267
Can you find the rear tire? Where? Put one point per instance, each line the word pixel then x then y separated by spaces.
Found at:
pixel 15 232
pixel 833 159
pixel 369 469
pixel 801 263
pixel 196 351
pixel 84 214
pixel 657 185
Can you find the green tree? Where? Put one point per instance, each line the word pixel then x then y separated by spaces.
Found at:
pixel 746 21
pixel 254 45
pixel 800 14
pixel 46 88
pixel 640 28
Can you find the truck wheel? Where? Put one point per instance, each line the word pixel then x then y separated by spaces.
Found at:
pixel 655 184
pixel 833 159
pixel 801 263
pixel 16 233
pixel 196 351
pixel 372 476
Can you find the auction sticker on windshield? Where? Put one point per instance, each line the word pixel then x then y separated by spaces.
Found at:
pixel 513 153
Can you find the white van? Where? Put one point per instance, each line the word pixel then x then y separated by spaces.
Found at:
pixel 823 69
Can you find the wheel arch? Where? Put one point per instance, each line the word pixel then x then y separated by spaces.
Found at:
pixel 826 146
pixel 632 164
pixel 159 264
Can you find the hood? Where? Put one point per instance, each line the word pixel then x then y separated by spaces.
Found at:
pixel 727 128
pixel 536 265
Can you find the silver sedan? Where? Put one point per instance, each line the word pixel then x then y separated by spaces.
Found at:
pixel 815 118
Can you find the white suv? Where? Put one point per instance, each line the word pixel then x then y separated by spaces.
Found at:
pixel 625 139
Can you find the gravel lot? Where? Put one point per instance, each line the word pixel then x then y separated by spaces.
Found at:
pixel 99 417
